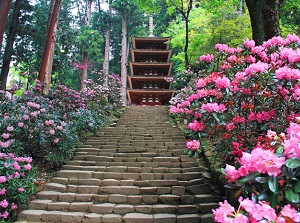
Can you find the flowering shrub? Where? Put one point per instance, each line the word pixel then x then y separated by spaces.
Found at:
pixel 242 99
pixel 49 126
pixel 244 92
pixel 16 184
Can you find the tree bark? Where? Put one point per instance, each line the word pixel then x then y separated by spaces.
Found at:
pixel 271 19
pixel 4 10
pixel 264 16
pixel 9 43
pixel 256 18
pixel 124 57
pixel 49 39
pixel 107 48
pixel 49 65
pixel 85 53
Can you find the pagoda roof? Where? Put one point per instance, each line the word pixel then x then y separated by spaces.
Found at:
pixel 135 96
pixel 150 40
pixel 132 79
pixel 135 66
pixel 135 53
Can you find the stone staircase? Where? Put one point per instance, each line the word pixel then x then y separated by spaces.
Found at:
pixel 135 172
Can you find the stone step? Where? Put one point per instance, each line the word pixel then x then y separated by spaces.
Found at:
pixel 133 163
pixel 148 205
pixel 121 169
pixel 79 217
pixel 55 196
pixel 152 187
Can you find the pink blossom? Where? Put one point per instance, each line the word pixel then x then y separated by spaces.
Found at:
pixel 4 203
pixel 258 67
pixel 196 126
pixel 63 124
pixel 287 73
pixel 49 122
pixel 290 212
pixel 16 166
pixel 231 173
pixel 43 110
pixel 224 212
pixel 59 128
pixel 21 189
pixel 249 43
pixel 207 58
pixel 56 140
pixel 5 135
pixel 20 124
pixel 2 179
pixel 192 145
pixel 14 206
pixel 52 132
pixel 27 167
pixel 25 117
pixel 222 82
pixel 201 83
pixel 213 107
pixel 4 214
pixel 10 128
pixel 3 191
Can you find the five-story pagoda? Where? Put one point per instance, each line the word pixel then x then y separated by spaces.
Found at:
pixel 150 70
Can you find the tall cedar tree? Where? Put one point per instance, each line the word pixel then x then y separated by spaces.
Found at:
pixel 50 36
pixel 4 10
pixel 10 43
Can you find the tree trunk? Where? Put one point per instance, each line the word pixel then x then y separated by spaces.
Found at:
pixel 107 48
pixel 186 46
pixel 256 17
pixel 49 65
pixel 49 39
pixel 85 53
pixel 4 10
pixel 271 19
pixel 9 43
pixel 124 57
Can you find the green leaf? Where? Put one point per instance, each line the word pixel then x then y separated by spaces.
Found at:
pixel 261 180
pixel 292 163
pixel 216 117
pixel 273 185
pixel 291 196
pixel 297 187
pixel 279 149
pixel 273 199
pixel 263 196
pixel 251 176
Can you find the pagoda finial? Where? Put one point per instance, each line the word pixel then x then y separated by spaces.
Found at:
pixel 151 25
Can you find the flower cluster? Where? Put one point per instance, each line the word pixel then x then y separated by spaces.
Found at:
pixel 250 211
pixel 17 178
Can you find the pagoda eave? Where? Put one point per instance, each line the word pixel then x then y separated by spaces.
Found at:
pixel 166 67
pixel 137 96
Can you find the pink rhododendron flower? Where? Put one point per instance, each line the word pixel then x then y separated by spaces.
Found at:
pixel 207 58
pixel 224 212
pixel 290 212
pixel 21 124
pixel 287 73
pixel 43 110
pixel 231 173
pixel 56 140
pixel 5 135
pixel 25 117
pixel 196 126
pixel 21 189
pixel 52 132
pixel 249 43
pixel 222 82
pixel 14 206
pixel 2 191
pixel 2 179
pixel 59 128
pixel 10 128
pixel 192 145
pixel 63 124
pixel 27 167
pixel 4 203
pixel 16 166
pixel 258 67
pixel 4 214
